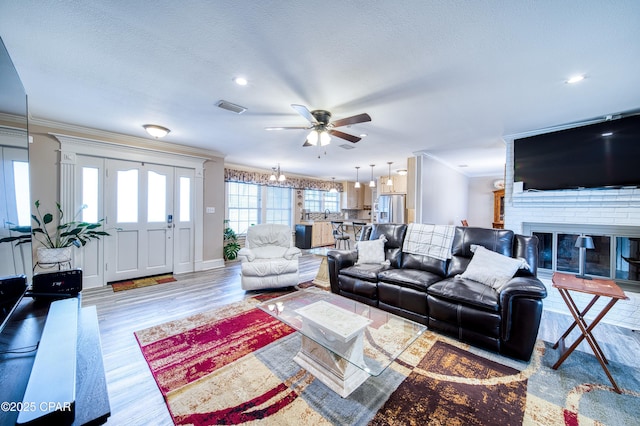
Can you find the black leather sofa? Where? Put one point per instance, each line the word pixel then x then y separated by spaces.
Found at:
pixel 430 291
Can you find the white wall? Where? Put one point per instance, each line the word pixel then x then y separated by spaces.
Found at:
pixel 480 210
pixel 443 193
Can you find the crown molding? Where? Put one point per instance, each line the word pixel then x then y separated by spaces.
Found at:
pixel 123 139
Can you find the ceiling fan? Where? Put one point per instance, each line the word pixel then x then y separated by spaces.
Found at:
pixel 322 127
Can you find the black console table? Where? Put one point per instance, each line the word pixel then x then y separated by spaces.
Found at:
pixel 20 342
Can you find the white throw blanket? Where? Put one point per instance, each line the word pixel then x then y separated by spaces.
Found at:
pixel 429 240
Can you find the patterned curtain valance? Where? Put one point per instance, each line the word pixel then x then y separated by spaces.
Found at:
pixel 262 178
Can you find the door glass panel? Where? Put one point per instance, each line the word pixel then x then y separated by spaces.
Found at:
pixel 545 249
pixel 599 258
pixel 628 258
pixel 90 194
pixel 568 254
pixel 21 185
pixel 127 196
pixel 185 199
pixel 156 197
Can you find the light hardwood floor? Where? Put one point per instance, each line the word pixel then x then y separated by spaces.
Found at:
pixel 133 394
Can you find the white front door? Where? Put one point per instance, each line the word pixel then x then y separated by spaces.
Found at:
pixel 14 209
pixel 140 208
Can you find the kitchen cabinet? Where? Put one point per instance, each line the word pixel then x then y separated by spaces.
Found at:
pixel 399 185
pixel 352 197
pixel 368 197
pixel 321 234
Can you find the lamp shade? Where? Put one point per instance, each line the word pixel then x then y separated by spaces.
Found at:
pixel 585 242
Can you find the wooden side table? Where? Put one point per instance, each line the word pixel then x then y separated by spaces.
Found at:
pixel 598 288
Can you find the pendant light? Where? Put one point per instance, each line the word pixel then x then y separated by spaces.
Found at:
pixel 372 183
pixel 333 189
pixel 281 177
pixel 273 177
pixel 389 180
pixel 357 185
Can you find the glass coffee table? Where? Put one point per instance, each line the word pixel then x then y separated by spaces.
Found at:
pixel 344 342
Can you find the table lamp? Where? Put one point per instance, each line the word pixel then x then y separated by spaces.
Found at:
pixel 584 242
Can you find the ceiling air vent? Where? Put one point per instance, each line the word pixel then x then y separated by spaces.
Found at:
pixel 231 107
pixel 346 146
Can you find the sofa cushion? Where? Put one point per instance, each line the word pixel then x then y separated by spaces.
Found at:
pixel 491 268
pixel 498 240
pixel 464 291
pixel 371 251
pixel 367 271
pixel 410 278
pixel 425 263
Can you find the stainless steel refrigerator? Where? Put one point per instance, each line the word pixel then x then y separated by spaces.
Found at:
pixel 391 208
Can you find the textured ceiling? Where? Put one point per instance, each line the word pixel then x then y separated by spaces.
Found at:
pixel 448 78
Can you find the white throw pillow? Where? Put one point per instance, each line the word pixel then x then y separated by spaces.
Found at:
pixel 371 251
pixel 491 268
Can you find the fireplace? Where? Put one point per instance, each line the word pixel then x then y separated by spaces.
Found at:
pixel 616 254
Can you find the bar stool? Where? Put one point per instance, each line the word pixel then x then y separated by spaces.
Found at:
pixel 339 236
pixel 357 229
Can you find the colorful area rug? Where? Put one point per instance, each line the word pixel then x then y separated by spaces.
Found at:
pixel 142 282
pixel 235 365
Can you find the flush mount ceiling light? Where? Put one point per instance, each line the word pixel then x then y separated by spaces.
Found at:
pixel 241 81
pixel 372 183
pixel 156 131
pixel 575 79
pixel 402 172
pixel 389 180
pixel 357 185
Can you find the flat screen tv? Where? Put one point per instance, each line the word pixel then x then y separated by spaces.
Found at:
pixel 12 289
pixel 601 155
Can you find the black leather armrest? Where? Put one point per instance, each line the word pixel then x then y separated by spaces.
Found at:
pixel 530 288
pixel 337 260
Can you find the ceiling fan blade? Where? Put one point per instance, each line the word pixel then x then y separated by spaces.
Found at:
pixel 304 111
pixel 287 128
pixel 360 118
pixel 344 136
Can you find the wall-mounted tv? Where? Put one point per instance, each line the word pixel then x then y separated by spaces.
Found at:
pixel 601 155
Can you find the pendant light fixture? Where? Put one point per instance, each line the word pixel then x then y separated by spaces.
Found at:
pixel 333 189
pixel 277 175
pixel 372 183
pixel 357 185
pixel 389 180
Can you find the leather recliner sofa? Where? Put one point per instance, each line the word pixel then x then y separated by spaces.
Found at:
pixel 431 291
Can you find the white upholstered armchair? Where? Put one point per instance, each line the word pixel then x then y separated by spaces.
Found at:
pixel 269 258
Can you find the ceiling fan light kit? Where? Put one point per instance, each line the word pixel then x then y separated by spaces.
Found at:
pixel 322 128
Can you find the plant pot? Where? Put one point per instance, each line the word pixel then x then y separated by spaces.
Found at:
pixel 55 255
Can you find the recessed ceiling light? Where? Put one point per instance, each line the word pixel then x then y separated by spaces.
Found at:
pixel 363 135
pixel 575 79
pixel 241 81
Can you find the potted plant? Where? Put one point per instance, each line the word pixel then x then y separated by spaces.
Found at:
pixel 56 239
pixel 231 246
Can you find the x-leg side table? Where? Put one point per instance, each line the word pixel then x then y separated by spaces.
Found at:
pixel 598 288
